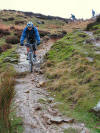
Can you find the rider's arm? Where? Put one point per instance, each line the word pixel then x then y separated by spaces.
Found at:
pixel 37 36
pixel 23 36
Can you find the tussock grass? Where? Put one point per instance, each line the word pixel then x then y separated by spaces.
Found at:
pixel 7 82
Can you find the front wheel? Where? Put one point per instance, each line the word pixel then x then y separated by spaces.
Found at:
pixel 30 62
pixel 30 67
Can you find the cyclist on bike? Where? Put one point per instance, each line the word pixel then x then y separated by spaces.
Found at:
pixel 32 35
pixel 73 17
pixel 93 13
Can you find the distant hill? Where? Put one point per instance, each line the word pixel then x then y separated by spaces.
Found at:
pixel 41 16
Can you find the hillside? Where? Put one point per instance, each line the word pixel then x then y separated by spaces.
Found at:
pixel 71 63
pixel 72 68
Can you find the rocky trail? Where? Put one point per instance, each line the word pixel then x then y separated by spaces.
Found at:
pixel 34 104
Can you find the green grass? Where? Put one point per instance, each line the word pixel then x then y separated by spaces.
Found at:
pixel 16 123
pixel 73 79
pixel 2 41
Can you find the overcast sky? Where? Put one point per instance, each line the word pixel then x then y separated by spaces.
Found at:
pixel 63 8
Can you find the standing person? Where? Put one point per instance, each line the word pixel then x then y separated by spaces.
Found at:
pixel 73 17
pixel 93 13
pixel 32 35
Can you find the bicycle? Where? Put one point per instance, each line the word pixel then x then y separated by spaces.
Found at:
pixel 30 55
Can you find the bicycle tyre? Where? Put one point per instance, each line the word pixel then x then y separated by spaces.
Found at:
pixel 31 63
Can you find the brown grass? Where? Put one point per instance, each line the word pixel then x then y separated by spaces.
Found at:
pixel 76 25
pixel 4 30
pixel 4 27
pixel 7 82
pixel 4 47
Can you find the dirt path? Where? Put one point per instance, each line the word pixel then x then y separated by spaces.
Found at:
pixel 34 103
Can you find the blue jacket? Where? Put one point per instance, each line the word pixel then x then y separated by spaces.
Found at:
pixel 24 35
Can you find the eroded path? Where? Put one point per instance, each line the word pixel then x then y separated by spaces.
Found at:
pixel 34 103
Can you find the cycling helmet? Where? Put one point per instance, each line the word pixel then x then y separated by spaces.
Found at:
pixel 29 24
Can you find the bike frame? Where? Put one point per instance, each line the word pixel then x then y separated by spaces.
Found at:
pixel 30 55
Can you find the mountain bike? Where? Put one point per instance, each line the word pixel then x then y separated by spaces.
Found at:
pixel 30 55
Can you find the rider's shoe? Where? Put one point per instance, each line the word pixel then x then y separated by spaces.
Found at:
pixel 34 57
pixel 27 57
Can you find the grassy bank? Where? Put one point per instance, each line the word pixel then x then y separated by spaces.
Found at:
pixel 73 69
pixel 9 123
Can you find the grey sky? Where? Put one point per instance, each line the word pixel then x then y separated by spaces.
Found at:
pixel 63 8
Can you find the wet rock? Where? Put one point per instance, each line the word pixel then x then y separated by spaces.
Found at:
pixel 97 107
pixel 89 40
pixel 97 44
pixel 38 71
pixel 57 120
pixel 38 107
pixel 69 120
pixel 53 112
pixel 9 59
pixel 50 100
pixel 90 59
pixel 27 92
pixel 42 83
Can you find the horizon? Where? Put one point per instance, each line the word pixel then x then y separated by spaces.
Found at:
pixel 62 8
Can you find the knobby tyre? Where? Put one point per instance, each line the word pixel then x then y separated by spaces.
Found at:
pixel 31 63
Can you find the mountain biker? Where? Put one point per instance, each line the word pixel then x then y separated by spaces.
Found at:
pixel 73 17
pixel 93 13
pixel 31 34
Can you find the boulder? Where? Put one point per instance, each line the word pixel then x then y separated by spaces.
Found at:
pixel 37 107
pixel 90 40
pixel 50 100
pixel 96 109
pixel 57 119
pixel 10 60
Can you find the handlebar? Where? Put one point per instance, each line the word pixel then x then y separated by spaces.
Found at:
pixel 28 44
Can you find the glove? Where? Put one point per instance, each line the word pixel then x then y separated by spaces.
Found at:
pixel 38 43
pixel 21 44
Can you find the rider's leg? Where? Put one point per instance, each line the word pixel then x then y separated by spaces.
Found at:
pixel 27 50
pixel 34 54
pixel 34 51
